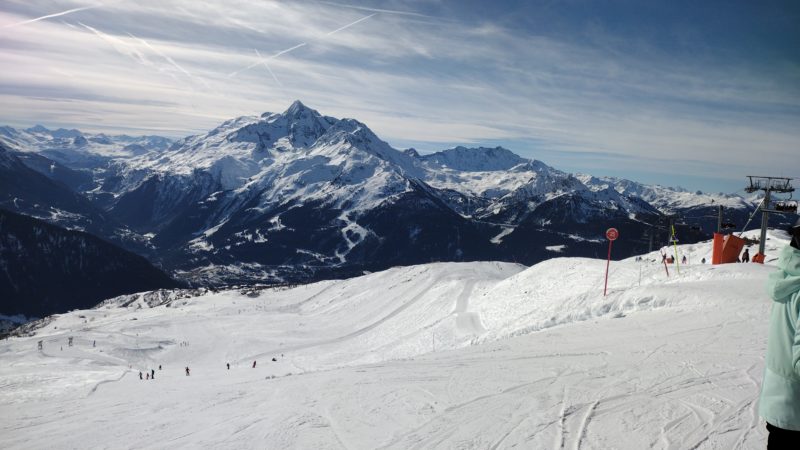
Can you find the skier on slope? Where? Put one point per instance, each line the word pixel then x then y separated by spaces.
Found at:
pixel 779 404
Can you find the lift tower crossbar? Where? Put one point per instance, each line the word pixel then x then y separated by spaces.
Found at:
pixel 769 185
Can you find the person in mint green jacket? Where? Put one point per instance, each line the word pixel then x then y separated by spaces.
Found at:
pixel 780 391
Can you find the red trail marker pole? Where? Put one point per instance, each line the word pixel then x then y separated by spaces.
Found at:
pixel 611 234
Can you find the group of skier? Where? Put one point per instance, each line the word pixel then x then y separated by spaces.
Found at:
pixel 149 375
pixel 152 374
pixel 671 259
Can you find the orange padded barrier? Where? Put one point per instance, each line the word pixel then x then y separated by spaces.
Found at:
pixel 726 249
pixel 732 248
pixel 716 255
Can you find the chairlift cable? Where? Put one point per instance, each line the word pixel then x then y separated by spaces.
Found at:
pixel 751 216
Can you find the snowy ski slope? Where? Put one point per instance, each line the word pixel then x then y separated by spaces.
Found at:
pixel 447 355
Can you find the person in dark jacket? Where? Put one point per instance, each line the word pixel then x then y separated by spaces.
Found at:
pixel 152 374
pixel 254 364
pixel 746 255
pixel 779 403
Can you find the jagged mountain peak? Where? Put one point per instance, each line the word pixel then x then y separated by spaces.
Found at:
pixel 297 127
pixel 358 137
pixel 258 141
pixel 479 159
pixel 352 127
pixel 298 109
pixel 37 129
pixel 667 199
pixel 59 133
pixel 412 152
pixel 64 133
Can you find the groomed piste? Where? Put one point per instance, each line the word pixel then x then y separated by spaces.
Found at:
pixel 442 355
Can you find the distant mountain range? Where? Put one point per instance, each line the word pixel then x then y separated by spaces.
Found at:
pixel 299 195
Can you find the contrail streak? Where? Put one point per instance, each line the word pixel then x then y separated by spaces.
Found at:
pixel 350 24
pixel 159 53
pixel 282 52
pixel 287 50
pixel 172 62
pixel 268 68
pixel 119 45
pixel 377 10
pixel 50 16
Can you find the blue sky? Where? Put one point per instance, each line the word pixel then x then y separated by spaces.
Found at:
pixel 697 94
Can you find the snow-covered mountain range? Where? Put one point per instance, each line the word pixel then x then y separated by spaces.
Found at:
pixel 77 147
pixel 298 195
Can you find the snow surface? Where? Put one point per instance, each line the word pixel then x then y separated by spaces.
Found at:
pixel 446 355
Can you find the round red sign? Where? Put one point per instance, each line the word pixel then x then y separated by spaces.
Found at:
pixel 612 234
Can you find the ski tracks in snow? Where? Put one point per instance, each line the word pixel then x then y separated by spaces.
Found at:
pixel 348 336
pixel 97 385
pixel 467 322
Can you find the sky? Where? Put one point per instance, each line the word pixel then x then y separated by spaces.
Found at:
pixel 679 93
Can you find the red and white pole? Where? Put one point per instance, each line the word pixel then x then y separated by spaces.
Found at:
pixel 611 234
